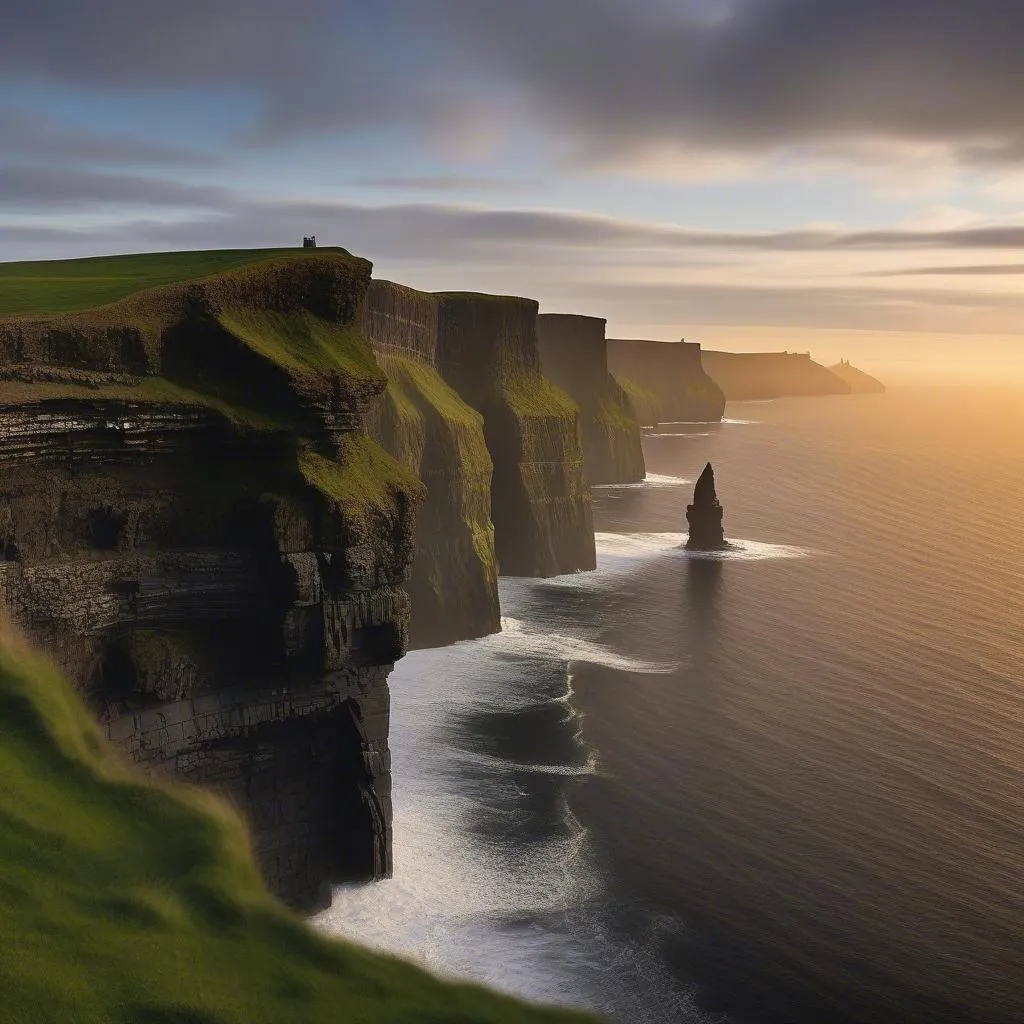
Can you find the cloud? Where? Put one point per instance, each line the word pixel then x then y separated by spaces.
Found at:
pixel 604 81
pixel 36 137
pixel 978 270
pixel 440 231
pixel 44 188
pixel 765 75
pixel 437 183
pixel 850 308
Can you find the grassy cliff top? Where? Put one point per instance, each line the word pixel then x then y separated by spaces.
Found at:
pixel 50 287
pixel 127 902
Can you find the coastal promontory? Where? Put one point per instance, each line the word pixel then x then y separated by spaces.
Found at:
pixel 198 528
pixel 666 380
pixel 574 355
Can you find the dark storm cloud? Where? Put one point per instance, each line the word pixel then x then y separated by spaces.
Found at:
pixel 766 73
pixel 32 136
pixel 604 76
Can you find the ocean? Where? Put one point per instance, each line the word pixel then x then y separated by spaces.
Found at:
pixel 785 784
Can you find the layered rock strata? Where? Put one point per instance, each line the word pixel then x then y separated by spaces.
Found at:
pixel 760 375
pixel 198 528
pixel 431 431
pixel 666 381
pixel 704 515
pixel 574 355
pixel 540 501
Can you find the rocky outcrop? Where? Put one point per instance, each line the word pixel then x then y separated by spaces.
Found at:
pixel 431 431
pixel 705 515
pixel 198 528
pixel 758 375
pixel 574 355
pixel 666 381
pixel 861 383
pixel 487 351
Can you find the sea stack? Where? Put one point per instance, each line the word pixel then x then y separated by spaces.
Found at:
pixel 705 515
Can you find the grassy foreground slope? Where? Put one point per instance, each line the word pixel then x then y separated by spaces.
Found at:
pixel 130 903
pixel 48 287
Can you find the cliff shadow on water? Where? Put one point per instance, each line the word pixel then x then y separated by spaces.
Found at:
pixel 487 351
pixel 196 524
pixel 431 431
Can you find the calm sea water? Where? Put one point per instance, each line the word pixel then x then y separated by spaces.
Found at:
pixel 786 785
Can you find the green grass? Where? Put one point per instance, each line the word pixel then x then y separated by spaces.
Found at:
pixel 531 394
pixel 49 287
pixel 302 343
pixel 420 400
pixel 126 902
pixel 363 479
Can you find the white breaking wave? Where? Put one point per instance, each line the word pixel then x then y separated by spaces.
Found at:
pixel 621 546
pixel 672 434
pixel 517 639
pixel 651 480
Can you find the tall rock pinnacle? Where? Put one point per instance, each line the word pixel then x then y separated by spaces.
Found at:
pixel 705 515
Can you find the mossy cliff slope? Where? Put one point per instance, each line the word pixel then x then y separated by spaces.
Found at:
pixel 195 523
pixel 752 375
pixel 487 351
pixel 128 902
pixel 431 431
pixel 573 355
pixel 666 380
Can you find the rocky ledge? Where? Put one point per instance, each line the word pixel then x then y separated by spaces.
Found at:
pixel 195 523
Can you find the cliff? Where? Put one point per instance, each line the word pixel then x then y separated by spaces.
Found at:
pixel 860 382
pixel 431 431
pixel 750 375
pixel 666 381
pixel 574 355
pixel 487 351
pixel 196 524
pixel 128 902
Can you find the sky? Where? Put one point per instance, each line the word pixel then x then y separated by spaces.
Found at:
pixel 839 176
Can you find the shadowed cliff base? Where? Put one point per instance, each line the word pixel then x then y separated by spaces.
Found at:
pixel 487 351
pixel 666 381
pixel 129 902
pixel 431 431
pixel 754 375
pixel 197 526
pixel 574 356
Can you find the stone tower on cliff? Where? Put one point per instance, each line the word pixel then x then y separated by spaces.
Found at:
pixel 705 515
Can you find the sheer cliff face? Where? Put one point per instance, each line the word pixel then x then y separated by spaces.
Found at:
pixel 750 375
pixel 431 431
pixel 666 381
pixel 574 356
pixel 487 351
pixel 196 525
